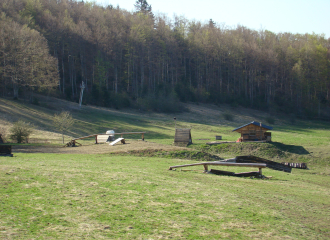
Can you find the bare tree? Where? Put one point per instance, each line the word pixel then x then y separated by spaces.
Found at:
pixel 62 122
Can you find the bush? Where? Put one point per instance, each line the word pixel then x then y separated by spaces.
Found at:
pixel 21 131
pixel 228 116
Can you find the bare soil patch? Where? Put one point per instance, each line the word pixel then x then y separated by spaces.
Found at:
pixel 131 145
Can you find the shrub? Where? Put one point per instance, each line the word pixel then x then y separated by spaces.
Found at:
pixel 21 131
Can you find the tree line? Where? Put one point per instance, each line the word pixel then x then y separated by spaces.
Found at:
pixel 154 61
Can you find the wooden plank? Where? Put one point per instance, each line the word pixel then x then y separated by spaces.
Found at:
pixel 85 137
pixel 257 165
pixel 216 143
pixel 122 140
pixel 102 138
pixel 130 133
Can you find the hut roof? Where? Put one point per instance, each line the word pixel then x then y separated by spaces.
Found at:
pixel 254 123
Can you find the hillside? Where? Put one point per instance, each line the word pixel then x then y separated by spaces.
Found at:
pixel 127 192
pixel 306 141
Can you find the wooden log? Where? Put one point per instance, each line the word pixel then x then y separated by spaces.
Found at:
pixel 257 165
pixel 205 168
pixel 216 143
pixel 93 135
pixel 270 164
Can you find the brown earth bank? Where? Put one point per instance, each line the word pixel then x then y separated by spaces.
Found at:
pixel 130 145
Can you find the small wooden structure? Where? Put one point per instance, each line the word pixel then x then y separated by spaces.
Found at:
pixel 218 137
pixel 219 163
pixel 241 161
pixel 182 136
pixel 101 138
pixel 5 151
pixel 254 131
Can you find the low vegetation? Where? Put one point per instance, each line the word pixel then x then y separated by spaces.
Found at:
pixel 100 196
pixel 133 195
pixel 20 131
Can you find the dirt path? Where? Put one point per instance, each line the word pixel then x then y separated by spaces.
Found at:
pixel 131 145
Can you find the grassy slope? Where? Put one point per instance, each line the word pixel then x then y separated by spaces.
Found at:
pixel 56 196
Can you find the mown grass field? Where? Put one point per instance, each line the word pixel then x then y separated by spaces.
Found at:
pixel 53 196
pixel 114 196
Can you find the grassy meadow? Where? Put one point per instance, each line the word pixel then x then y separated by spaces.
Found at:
pixel 135 196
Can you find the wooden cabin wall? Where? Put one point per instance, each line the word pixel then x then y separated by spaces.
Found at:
pixel 252 132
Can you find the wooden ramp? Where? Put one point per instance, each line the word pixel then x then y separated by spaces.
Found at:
pixel 122 140
pixel 270 164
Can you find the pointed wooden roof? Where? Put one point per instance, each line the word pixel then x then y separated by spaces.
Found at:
pixel 254 123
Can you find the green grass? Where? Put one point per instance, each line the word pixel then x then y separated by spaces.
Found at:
pixel 62 196
pixel 53 196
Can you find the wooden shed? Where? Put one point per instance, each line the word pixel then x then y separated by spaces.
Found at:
pixel 182 135
pixel 254 131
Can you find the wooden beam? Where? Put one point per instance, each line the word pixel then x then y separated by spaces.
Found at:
pixel 257 165
pixel 270 164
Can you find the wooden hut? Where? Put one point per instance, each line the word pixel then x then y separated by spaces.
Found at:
pixel 254 131
pixel 182 136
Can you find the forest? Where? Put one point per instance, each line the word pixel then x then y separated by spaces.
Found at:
pixel 154 62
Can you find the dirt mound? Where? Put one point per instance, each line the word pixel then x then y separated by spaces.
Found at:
pixel 177 153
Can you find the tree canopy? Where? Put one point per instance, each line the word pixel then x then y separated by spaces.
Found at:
pixel 125 57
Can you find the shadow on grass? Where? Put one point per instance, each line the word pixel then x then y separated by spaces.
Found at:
pixel 290 148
